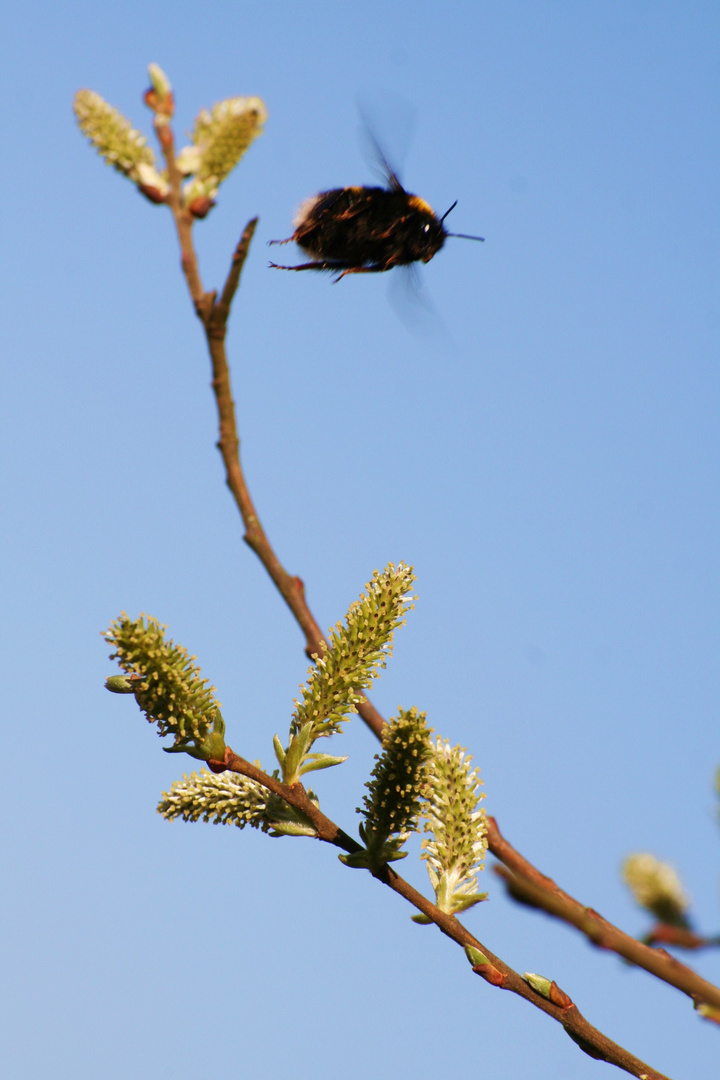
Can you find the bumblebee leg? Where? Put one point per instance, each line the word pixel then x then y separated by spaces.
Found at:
pixel 376 269
pixel 289 239
pixel 307 266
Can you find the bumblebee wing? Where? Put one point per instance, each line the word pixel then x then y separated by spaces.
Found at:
pixel 413 305
pixel 378 156
pixel 387 169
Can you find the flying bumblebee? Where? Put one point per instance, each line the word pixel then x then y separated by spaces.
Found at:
pixel 367 230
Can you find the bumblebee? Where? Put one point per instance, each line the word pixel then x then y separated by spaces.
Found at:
pixel 367 230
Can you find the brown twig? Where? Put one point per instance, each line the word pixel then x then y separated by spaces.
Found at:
pixel 528 885
pixel 214 314
pixel 497 973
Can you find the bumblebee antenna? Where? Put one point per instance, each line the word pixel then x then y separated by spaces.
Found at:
pixel 461 236
pixel 448 211
pixel 464 236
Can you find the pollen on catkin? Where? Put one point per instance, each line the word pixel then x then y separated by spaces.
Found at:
pixel 113 136
pixel 223 134
pixel 356 652
pixel 398 782
pixel 223 798
pixel 656 886
pixel 172 694
pixel 456 825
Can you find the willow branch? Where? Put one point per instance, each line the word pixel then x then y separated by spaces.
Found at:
pixel 214 315
pixel 528 885
pixel 494 971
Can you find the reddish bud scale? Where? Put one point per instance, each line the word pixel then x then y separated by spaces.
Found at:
pixel 152 193
pixel 201 206
pixel 490 974
pixel 164 105
pixel 559 997
pixel 675 935
pixel 220 766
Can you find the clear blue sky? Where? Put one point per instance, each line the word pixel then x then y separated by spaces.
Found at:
pixel 548 463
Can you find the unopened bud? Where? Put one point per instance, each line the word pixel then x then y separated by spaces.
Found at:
pixel 159 97
pixel 490 974
pixel 539 983
pixel 475 956
pixel 201 206
pixel 152 194
pixel 160 82
pixel 548 989
pixel 124 684
pixel 708 1012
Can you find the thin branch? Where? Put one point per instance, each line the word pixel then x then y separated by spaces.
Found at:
pixel 494 971
pixel 182 217
pixel 528 885
pixel 214 316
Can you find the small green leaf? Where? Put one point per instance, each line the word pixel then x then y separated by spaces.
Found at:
pixel 291 828
pixel 356 860
pixel 279 751
pixel 292 761
pixel 468 902
pixel 320 761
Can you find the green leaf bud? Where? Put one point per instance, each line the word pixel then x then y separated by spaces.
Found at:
pixel 160 82
pixel 539 983
pixel 475 956
pixel 124 684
